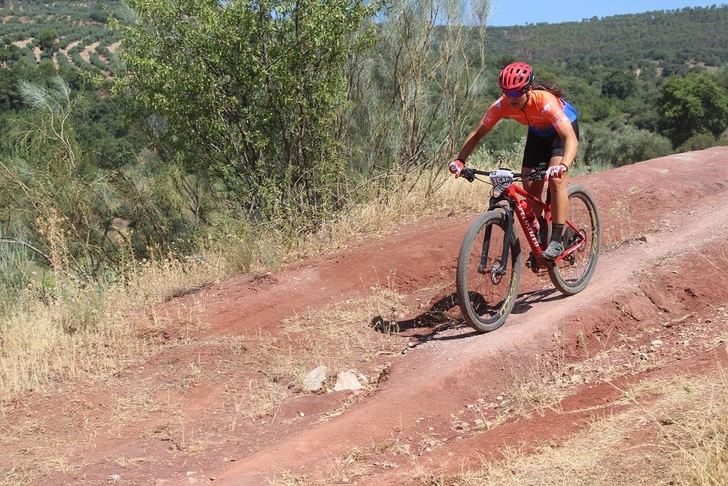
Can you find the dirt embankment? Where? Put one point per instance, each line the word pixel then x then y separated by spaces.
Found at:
pixel 438 398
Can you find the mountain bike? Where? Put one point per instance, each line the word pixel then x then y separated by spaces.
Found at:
pixel 489 263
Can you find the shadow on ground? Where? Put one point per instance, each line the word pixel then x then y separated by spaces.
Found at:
pixel 440 317
pixel 435 319
pixel 526 300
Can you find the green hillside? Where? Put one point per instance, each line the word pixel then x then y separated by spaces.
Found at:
pixel 673 39
pixel 70 34
pixel 75 34
pixel 613 69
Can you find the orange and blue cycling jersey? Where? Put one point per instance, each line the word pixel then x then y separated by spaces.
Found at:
pixel 544 113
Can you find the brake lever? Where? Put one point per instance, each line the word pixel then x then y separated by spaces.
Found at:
pixel 468 173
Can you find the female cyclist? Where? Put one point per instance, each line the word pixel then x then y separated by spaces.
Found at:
pixel 553 137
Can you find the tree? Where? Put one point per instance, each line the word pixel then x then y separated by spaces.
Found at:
pixel 248 91
pixel 619 84
pixel 691 105
pixel 415 97
pixel 47 181
pixel 47 40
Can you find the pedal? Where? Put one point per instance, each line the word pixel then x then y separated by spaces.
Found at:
pixel 532 263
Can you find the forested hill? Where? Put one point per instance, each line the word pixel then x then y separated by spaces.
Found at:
pixel 674 38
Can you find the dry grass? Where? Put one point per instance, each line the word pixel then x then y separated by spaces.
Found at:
pixel 261 398
pixel 339 337
pixel 700 437
pixel 379 215
pixel 579 462
pixel 30 464
pixel 534 388
pixel 344 470
pixel 136 405
pixel 383 211
pixel 90 331
pixel 93 330
pixel 676 433
pixel 131 462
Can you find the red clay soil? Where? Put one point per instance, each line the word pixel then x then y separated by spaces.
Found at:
pixel 661 277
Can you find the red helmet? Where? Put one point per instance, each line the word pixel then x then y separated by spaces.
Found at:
pixel 518 75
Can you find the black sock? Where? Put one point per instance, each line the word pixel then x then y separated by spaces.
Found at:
pixel 556 231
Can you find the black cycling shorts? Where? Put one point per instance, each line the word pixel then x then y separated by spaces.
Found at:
pixel 539 150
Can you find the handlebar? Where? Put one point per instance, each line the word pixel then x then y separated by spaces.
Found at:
pixel 469 174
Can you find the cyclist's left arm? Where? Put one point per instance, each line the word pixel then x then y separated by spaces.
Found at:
pixel 553 112
pixel 571 143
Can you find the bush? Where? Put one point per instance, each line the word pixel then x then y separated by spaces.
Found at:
pixel 692 105
pixel 619 84
pixel 698 142
pixel 619 145
pixel 48 40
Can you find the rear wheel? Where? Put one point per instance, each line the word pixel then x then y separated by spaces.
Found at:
pixel 572 274
pixel 486 287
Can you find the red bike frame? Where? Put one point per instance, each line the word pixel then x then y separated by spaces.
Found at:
pixel 517 193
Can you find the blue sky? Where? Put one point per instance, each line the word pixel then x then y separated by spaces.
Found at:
pixel 509 12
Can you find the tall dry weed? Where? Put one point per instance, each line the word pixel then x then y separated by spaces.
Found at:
pixel 89 331
pixel 89 328
pixel 404 203
pixel 681 426
pixel 701 438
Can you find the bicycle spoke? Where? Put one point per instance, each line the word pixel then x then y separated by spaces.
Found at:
pixel 581 236
pixel 489 289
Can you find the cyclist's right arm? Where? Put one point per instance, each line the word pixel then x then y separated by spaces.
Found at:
pixel 472 141
pixel 486 124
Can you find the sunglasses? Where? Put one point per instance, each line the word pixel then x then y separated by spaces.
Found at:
pixel 513 93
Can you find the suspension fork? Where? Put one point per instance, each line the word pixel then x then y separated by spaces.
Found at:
pixel 507 240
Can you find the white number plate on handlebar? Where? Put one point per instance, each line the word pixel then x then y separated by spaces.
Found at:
pixel 501 179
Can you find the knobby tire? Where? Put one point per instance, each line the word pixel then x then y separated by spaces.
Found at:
pixel 477 293
pixel 572 279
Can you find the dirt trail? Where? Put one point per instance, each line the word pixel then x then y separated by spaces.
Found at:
pixel 88 50
pixel 113 47
pixel 22 43
pixel 440 376
pixel 664 231
pixel 69 47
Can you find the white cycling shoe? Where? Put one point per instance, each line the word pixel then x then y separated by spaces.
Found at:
pixel 553 251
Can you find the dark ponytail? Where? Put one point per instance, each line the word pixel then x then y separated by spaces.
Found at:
pixel 554 90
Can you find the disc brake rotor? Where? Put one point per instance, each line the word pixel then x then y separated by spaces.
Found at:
pixel 495 277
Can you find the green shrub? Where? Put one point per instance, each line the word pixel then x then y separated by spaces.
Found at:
pixel 691 105
pixel 248 92
pixel 617 145
pixel 698 142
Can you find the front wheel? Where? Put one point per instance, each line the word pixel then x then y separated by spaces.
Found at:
pixel 572 274
pixel 486 287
